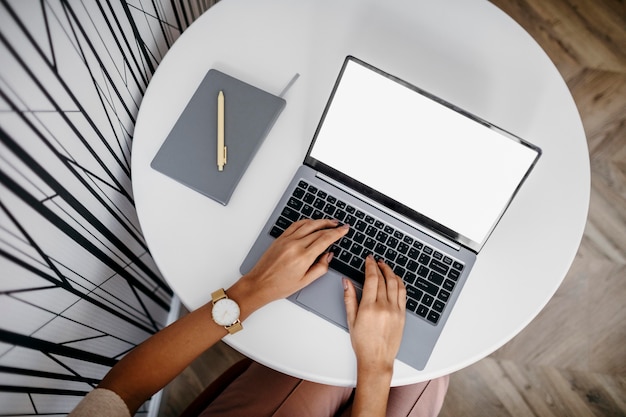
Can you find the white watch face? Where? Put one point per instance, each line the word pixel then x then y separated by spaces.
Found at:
pixel 225 312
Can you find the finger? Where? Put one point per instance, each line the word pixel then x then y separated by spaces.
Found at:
pixel 318 269
pixel 370 285
pixel 391 282
pixel 382 282
pixel 293 227
pixel 320 240
pixel 308 226
pixel 349 298
pixel 401 295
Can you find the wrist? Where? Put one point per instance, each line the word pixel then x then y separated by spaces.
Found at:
pixel 246 297
pixel 383 370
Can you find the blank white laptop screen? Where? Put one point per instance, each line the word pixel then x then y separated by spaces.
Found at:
pixel 422 154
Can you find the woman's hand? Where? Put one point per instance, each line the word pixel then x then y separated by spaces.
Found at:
pixel 292 262
pixel 376 326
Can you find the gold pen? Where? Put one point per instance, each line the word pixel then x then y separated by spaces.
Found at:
pixel 221 149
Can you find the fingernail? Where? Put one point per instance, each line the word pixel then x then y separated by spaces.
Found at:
pixel 329 257
pixel 345 284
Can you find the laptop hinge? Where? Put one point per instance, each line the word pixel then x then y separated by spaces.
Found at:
pixel 393 214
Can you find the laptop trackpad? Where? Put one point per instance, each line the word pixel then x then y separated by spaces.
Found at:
pixel 324 297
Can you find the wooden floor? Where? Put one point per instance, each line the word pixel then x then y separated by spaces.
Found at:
pixel 571 360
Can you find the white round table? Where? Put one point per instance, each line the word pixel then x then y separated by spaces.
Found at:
pixel 465 51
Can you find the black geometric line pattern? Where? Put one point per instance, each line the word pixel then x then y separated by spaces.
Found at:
pixel 78 288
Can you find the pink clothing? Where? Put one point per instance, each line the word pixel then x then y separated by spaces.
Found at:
pixel 263 392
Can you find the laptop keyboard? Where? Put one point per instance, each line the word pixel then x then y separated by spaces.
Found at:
pixel 429 275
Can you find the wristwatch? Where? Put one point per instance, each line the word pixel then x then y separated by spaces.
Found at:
pixel 225 311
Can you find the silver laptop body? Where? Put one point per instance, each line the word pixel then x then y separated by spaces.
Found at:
pixel 422 184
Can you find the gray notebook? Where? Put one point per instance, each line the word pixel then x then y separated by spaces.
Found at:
pixel 189 153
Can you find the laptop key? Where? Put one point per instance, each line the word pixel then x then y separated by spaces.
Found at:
pixel 435 278
pixel 308 198
pixel 391 254
pixel 454 274
pixel 422 310
pixel 433 316
pixel 345 256
pixel 403 248
pixel 412 266
pixel 426 286
pixel 359 237
pixel 413 292
pixel 283 223
pixel 347 270
pixel 438 306
pixel 458 265
pixel 422 271
pixel 294 203
pixel 329 209
pixel 298 192
pixel 428 300
pixel 438 266
pixel 411 305
pixel 276 231
pixel 356 249
pixel 307 210
pixel 399 271
pixel 290 214
pixel 356 262
pixel 319 203
pixel 448 285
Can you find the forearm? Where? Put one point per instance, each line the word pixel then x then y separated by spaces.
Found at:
pixel 291 262
pixel 158 360
pixel 372 392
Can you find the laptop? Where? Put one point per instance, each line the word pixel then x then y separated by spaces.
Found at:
pixel 422 184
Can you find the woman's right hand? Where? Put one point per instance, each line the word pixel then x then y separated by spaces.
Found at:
pixel 377 323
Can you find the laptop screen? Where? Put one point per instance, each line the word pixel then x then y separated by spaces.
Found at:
pixel 419 155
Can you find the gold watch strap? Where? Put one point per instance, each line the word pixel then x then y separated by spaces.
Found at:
pixel 218 295
pixel 235 327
